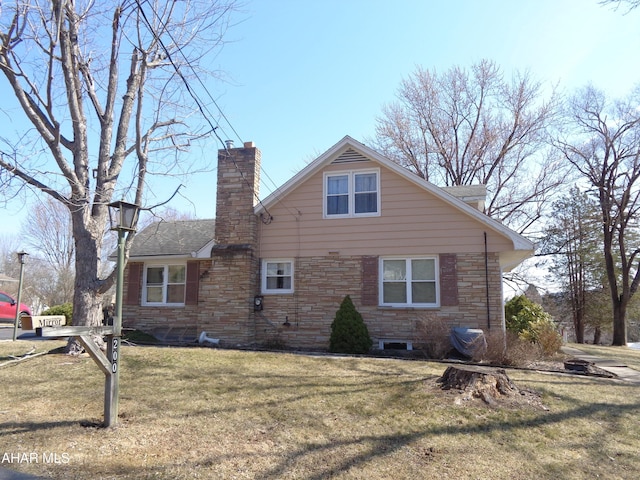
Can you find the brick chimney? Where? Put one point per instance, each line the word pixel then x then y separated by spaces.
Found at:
pixel 233 278
pixel 237 194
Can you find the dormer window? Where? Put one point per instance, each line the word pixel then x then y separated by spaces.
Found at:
pixel 352 194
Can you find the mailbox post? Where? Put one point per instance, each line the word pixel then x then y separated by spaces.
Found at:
pixel 123 217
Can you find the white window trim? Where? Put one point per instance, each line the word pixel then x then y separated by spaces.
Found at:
pixel 409 304
pixel 263 274
pixel 164 285
pixel 351 192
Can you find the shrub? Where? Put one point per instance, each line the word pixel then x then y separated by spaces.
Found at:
pixel 510 350
pixel 531 323
pixel 544 334
pixel 275 342
pixel 433 333
pixel 65 309
pixel 137 336
pixel 349 334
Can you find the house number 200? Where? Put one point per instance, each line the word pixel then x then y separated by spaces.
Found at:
pixel 114 356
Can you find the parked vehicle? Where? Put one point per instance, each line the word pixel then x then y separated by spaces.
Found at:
pixel 8 307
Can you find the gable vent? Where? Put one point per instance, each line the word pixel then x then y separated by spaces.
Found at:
pixel 350 156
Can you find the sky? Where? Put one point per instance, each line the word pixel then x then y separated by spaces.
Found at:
pixel 302 74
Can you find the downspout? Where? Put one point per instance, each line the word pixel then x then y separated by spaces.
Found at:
pixel 486 279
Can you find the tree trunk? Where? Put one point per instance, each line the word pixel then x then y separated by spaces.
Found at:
pixel 579 332
pixel 578 324
pixel 619 323
pixel 597 335
pixel 87 296
pixel 618 301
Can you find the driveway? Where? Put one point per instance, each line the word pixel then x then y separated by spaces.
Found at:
pixel 6 333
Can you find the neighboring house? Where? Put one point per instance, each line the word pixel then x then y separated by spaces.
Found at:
pixel 350 223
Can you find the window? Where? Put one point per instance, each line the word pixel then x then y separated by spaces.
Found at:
pixel 365 193
pixel 350 194
pixel 338 195
pixel 164 284
pixel 409 282
pixel 277 276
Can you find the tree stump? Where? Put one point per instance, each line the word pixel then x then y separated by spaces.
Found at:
pixel 477 382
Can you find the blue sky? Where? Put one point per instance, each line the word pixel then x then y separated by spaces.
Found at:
pixel 302 74
pixel 306 73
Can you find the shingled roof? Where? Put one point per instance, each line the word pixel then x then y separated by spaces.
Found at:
pixel 178 238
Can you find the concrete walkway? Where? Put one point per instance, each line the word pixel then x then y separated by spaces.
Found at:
pixel 619 369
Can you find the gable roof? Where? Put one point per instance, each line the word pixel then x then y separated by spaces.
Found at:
pixel 186 238
pixel 350 150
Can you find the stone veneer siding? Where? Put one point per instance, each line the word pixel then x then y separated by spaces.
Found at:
pixel 229 280
pixel 322 282
pixel 163 322
pixel 225 307
pixel 227 286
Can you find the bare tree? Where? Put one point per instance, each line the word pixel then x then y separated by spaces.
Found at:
pixel 48 229
pixel 102 86
pixel 629 4
pixel 9 265
pixel 472 126
pixel 49 232
pixel 604 147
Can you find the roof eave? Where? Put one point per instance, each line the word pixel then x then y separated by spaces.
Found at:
pixel 511 259
pixel 161 258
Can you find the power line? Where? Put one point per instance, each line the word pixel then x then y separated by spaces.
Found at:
pixel 193 95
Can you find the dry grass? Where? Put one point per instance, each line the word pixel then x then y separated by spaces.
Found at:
pixel 204 413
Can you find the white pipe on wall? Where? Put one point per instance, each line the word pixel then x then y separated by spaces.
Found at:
pixel 203 338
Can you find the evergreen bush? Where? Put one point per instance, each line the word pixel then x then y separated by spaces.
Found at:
pixel 349 334
pixel 520 313
pixel 531 323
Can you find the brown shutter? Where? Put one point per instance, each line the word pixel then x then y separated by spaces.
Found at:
pixel 369 280
pixel 193 283
pixel 448 280
pixel 134 283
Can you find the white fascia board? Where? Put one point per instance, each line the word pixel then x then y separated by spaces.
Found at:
pixel 510 260
pixel 204 251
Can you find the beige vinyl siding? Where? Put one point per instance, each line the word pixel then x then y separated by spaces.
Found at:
pixel 412 221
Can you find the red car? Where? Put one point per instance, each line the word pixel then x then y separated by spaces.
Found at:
pixel 8 308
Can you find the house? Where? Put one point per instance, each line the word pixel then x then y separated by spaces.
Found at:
pixel 351 222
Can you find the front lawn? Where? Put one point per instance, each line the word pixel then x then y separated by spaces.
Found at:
pixel 206 413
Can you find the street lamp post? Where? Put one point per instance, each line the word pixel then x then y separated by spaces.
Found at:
pixel 21 257
pixel 123 217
